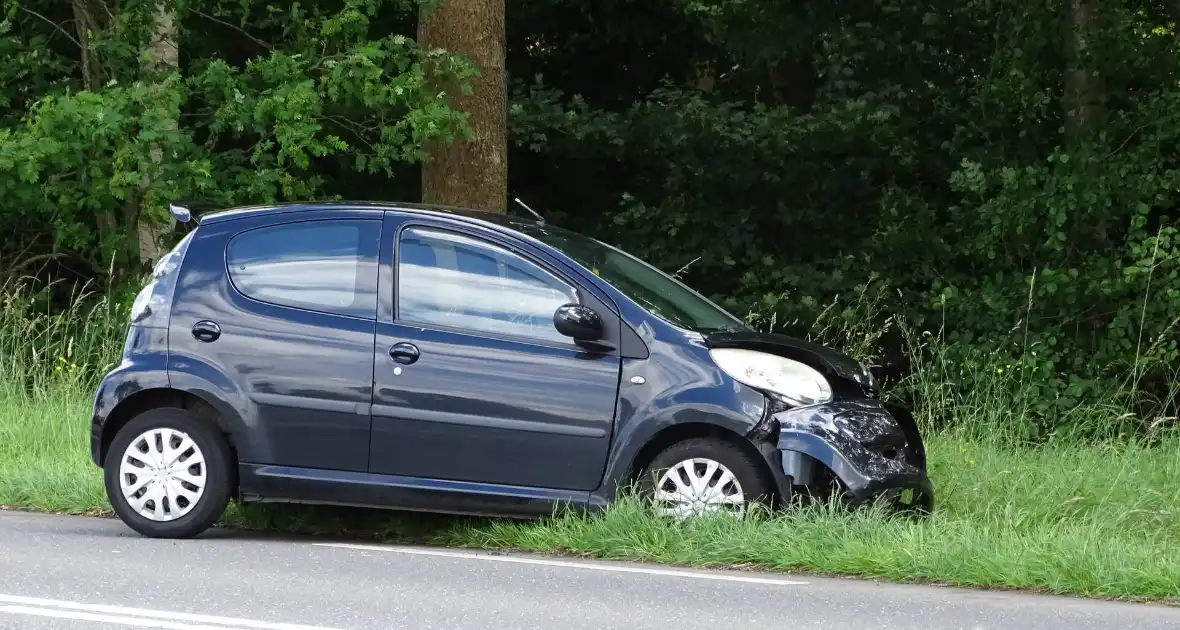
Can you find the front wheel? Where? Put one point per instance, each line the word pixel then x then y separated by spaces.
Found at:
pixel 168 474
pixel 703 476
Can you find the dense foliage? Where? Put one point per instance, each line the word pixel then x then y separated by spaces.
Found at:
pixel 268 102
pixel 1003 172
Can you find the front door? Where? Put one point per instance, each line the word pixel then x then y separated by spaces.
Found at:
pixel 472 382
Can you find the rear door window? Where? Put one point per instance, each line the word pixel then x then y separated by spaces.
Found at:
pixel 328 266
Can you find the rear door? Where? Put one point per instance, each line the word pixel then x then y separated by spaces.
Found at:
pixel 278 314
pixel 472 380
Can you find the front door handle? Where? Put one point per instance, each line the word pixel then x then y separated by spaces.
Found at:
pixel 404 353
pixel 206 331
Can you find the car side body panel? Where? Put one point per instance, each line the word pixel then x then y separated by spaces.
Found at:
pixel 676 390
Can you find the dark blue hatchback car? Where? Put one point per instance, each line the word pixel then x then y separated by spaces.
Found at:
pixel 424 358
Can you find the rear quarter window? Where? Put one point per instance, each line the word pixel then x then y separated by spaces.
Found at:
pixel 328 266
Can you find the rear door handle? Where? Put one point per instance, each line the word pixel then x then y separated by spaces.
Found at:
pixel 206 331
pixel 404 353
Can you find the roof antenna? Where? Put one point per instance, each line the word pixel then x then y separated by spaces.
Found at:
pixel 540 219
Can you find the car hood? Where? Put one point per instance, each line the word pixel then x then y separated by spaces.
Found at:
pixel 815 355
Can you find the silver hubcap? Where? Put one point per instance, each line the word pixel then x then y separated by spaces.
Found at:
pixel 699 486
pixel 162 474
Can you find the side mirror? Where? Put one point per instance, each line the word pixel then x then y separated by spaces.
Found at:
pixel 579 322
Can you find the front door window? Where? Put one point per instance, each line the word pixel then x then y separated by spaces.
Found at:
pixel 455 281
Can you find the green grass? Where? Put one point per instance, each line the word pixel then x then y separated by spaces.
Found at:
pixel 1065 517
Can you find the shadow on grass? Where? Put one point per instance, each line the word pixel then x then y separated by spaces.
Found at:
pixel 628 513
pixel 350 523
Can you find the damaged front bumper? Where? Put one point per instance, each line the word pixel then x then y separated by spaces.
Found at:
pixel 873 449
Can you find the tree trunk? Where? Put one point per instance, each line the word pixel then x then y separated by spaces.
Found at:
pixel 163 51
pixel 1084 101
pixel 1085 92
pixel 85 26
pixel 470 173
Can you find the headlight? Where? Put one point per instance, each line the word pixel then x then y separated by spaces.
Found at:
pixel 797 383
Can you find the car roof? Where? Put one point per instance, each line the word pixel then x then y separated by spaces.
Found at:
pixel 470 214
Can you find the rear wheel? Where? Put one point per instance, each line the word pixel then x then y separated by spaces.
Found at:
pixel 703 476
pixel 168 474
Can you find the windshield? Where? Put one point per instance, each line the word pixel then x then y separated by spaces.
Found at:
pixel 651 288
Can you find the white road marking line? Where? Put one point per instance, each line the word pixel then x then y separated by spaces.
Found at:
pixel 592 566
pixel 136 616
pixel 138 622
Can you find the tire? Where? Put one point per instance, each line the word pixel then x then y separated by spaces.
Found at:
pixel 182 514
pixel 747 474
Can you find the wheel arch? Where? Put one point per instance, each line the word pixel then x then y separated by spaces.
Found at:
pixel 157 398
pixel 677 433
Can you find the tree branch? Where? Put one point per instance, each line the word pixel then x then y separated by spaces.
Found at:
pixel 32 260
pixel 233 26
pixel 352 127
pixel 51 23
pixel 1131 135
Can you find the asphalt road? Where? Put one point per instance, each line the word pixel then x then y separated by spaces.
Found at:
pixel 82 573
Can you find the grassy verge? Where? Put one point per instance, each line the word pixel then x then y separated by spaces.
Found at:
pixel 1066 517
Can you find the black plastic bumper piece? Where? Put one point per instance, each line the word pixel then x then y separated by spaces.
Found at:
pixel 876 454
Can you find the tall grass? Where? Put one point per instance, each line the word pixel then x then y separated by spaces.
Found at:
pixel 1064 515
pixel 46 352
pixel 50 361
pixel 992 392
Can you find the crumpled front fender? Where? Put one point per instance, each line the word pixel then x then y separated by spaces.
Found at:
pixel 873 452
